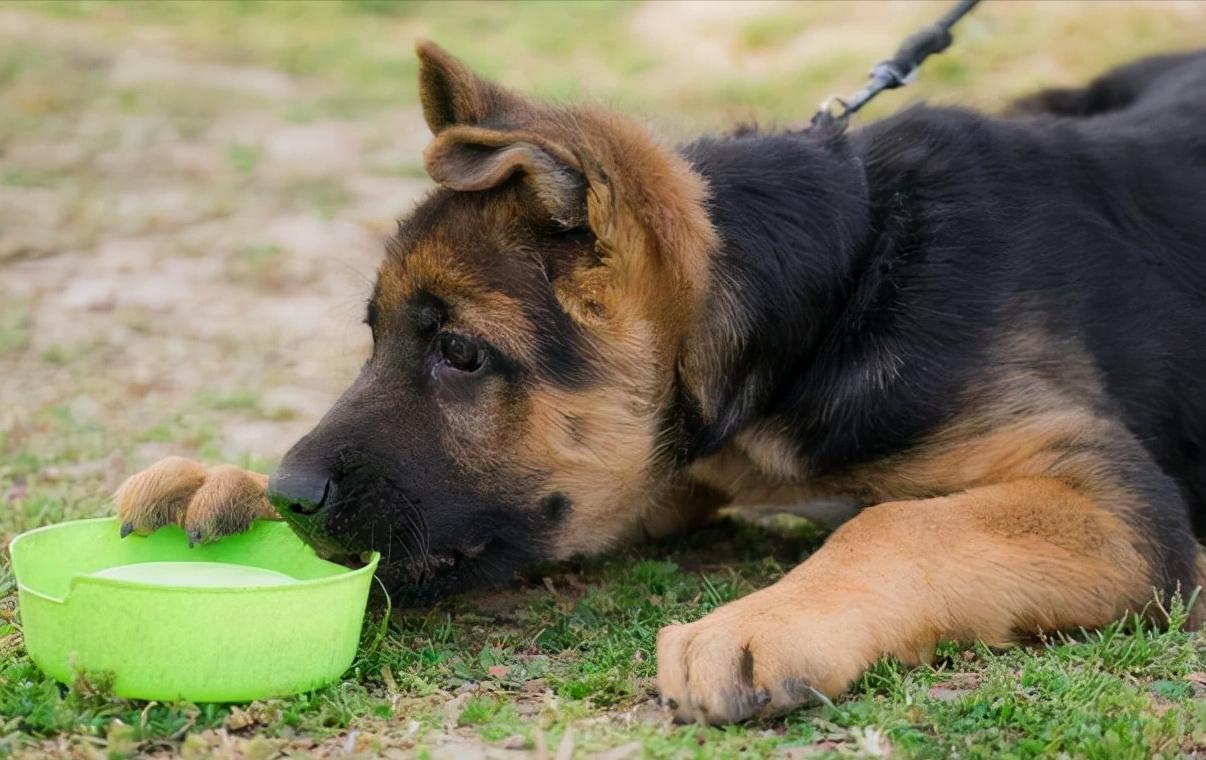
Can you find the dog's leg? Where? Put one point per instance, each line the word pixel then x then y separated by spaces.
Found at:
pixel 988 563
pixel 208 502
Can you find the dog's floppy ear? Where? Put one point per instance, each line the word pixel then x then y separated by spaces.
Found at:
pixel 480 143
pixel 473 158
pixel 587 167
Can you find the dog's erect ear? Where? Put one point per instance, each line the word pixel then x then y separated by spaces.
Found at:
pixel 452 94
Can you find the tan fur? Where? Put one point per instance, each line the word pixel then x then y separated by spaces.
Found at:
pixel 643 202
pixel 1016 424
pixel 476 310
pixel 227 502
pixel 1014 520
pixel 649 216
pixel 584 295
pixel 961 457
pixel 733 471
pixel 989 563
pixel 159 495
pixel 770 452
pixel 207 502
pixel 645 206
pixel 596 446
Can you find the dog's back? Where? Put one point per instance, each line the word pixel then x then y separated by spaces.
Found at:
pixel 1151 79
pixel 1143 121
pixel 1081 228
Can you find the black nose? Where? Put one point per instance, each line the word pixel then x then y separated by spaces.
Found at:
pixel 299 492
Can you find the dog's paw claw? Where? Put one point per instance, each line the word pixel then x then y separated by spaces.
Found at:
pixel 740 662
pixel 762 698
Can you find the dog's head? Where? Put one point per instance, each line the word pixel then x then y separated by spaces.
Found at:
pixel 521 401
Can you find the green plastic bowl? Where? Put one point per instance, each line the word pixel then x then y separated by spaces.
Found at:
pixel 194 642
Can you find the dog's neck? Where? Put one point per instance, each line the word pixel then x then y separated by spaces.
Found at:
pixel 793 215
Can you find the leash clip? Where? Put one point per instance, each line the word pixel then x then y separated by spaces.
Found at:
pixel 900 69
pixel 827 111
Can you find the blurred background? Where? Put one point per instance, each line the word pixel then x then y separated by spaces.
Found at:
pixel 193 195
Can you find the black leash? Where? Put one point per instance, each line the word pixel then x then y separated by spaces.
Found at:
pixel 898 70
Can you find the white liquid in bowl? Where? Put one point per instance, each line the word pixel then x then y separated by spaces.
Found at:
pixel 207 574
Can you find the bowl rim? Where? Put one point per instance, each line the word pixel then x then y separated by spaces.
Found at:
pixel 91 580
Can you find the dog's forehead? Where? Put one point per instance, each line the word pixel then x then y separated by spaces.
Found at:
pixel 467 251
pixel 468 233
pixel 495 268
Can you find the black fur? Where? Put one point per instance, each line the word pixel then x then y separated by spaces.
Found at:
pixel 879 268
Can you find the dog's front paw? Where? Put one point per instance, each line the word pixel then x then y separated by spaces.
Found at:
pixel 761 654
pixel 208 502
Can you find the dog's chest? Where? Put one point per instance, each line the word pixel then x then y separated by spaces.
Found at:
pixel 761 470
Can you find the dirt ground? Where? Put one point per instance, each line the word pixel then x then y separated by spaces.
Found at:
pixel 161 269
pixel 174 237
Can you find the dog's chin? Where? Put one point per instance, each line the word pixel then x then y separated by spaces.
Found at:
pixel 416 582
pixel 350 560
pixel 482 567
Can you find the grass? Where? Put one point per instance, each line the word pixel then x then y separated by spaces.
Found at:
pixel 575 643
pixel 570 649
pixel 565 658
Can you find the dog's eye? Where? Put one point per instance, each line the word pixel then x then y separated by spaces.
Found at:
pixel 460 353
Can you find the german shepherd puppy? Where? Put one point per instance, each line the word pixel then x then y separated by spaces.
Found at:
pixel 983 337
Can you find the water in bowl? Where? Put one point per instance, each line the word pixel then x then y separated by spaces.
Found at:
pixel 198 574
